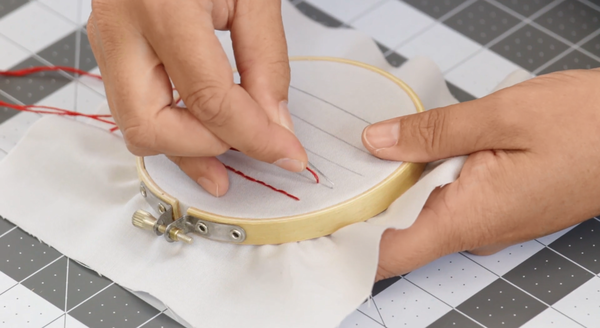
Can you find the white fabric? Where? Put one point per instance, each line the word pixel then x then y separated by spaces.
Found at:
pixel 77 191
pixel 75 187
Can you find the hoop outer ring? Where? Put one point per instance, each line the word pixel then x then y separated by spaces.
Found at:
pixel 318 223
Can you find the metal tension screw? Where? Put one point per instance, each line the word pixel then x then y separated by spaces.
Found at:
pixel 235 234
pixel 146 221
pixel 143 191
pixel 161 209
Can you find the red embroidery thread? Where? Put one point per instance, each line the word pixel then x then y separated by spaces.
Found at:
pixel 38 69
pixel 54 111
pixel 313 173
pixel 100 118
pixel 260 182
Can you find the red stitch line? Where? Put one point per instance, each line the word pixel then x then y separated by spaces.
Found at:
pixel 260 182
pixel 37 69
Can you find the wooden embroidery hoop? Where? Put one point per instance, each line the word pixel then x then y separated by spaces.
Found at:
pixel 175 226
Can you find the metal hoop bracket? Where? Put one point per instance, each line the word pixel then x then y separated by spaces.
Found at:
pixel 177 229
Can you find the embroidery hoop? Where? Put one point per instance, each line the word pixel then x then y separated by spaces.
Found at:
pixel 175 226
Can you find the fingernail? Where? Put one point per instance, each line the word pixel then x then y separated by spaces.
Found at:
pixel 285 118
pixel 209 186
pixel 290 165
pixel 383 135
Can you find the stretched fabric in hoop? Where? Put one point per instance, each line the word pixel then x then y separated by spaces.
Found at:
pixel 331 101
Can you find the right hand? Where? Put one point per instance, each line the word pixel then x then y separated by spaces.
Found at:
pixel 141 45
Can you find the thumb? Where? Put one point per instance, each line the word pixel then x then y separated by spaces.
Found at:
pixel 439 133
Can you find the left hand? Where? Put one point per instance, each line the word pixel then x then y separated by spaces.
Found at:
pixel 141 46
pixel 533 169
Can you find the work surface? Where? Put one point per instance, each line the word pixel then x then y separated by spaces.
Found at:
pixel 552 281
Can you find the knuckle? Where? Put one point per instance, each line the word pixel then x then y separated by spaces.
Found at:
pixel 282 67
pixel 138 138
pixel 506 120
pixel 262 147
pixel 208 103
pixel 431 129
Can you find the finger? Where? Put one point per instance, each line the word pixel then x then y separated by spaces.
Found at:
pixel 402 251
pixel 139 93
pixel 208 172
pixel 455 130
pixel 448 223
pixel 94 39
pixel 261 56
pixel 200 71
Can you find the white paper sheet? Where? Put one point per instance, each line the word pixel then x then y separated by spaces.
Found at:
pixel 75 187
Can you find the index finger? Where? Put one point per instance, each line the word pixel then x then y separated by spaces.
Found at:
pixel 200 70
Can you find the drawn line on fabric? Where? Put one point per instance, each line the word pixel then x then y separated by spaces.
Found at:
pixel 335 106
pixel 329 103
pixel 318 128
pixel 249 178
pixel 332 162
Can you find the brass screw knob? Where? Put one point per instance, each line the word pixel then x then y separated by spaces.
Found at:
pixel 146 221
pixel 143 220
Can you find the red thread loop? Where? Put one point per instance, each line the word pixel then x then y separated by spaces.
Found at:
pixel 313 173
pixel 101 118
pixel 48 109
pixel 55 111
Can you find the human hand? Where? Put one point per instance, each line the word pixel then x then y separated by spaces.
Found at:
pixel 141 45
pixel 533 168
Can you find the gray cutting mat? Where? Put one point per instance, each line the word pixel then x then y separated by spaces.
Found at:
pixel 549 282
